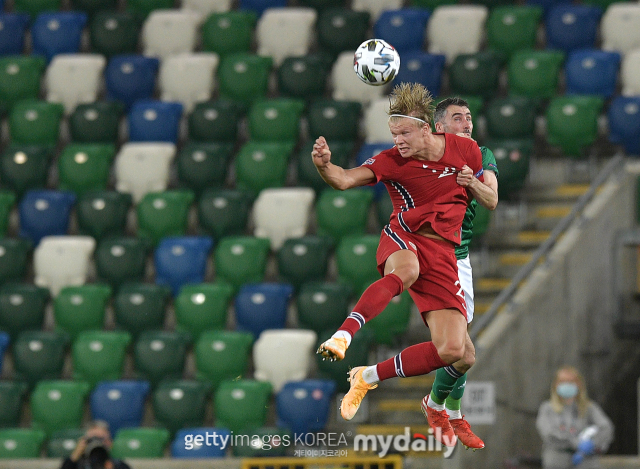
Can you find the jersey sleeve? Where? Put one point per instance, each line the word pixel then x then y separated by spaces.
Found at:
pixel 474 160
pixel 489 160
pixel 379 165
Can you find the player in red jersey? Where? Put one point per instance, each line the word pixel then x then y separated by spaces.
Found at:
pixel 426 175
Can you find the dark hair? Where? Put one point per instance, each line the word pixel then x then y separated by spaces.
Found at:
pixel 441 108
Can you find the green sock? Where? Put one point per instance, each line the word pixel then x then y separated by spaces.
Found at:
pixel 442 385
pixel 454 398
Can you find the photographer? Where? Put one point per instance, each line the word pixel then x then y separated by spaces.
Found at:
pixel 92 450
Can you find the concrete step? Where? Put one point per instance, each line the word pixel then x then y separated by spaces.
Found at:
pixel 490 285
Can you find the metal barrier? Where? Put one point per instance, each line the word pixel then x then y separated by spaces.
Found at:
pixel 373 462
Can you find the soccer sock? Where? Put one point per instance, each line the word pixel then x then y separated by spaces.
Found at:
pixel 453 399
pixel 416 360
pixel 372 302
pixel 444 383
pixel 370 374
pixel 343 335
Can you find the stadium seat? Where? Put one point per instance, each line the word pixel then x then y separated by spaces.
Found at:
pixel 391 322
pixel 96 122
pixel 7 202
pixel 215 121
pixel 12 33
pixel 224 212
pixel 129 78
pixel 179 404
pixel 63 442
pixel 14 257
pixel 342 29
pixel 242 404
pixel 283 355
pixel 510 118
pixel 222 355
pixel 91 7
pixel 143 167
pixel 285 32
pixel 369 150
pixel 57 32
pixel 262 306
pixel 228 32
pixel 546 5
pixel 57 405
pixel 4 343
pixel 376 125
pixel 45 213
pixel 22 307
pixel 20 77
pixel 207 7
pixel 335 120
pixel 468 18
pixel 570 27
pixel 323 305
pixel 261 165
pixel 99 355
pixel 513 28
pixel 424 68
pixel 241 259
pixel 512 157
pixel 303 406
pixel 275 120
pixel 202 307
pixel 168 32
pixel 19 443
pixel 24 167
pixel 404 29
pixel 592 72
pixel 303 77
pixel 244 77
pixel 624 124
pixel 187 78
pixel 376 7
pixel 142 8
pixel 114 32
pixel 630 73
pixel 121 259
pixel 35 123
pixel 72 79
pixel 572 122
pixel 347 86
pixel 85 167
pixel 358 354
pixel 264 441
pixel 475 74
pixel 618 30
pixel 279 214
pixel 142 442
pixel 304 259
pixel 39 355
pixel 81 308
pixel 215 450
pixel 307 172
pixel 162 214
pixel 534 73
pixel 159 355
pixel 356 259
pixel 154 121
pixel 342 213
pixel 103 213
pixel 203 165
pixel 12 394
pixel 33 8
pixel 119 403
pixel 138 307
pixel 181 260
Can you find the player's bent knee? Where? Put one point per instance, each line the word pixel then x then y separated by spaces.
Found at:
pixel 408 274
pixel 450 353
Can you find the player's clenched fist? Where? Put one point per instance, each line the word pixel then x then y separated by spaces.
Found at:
pixel 321 154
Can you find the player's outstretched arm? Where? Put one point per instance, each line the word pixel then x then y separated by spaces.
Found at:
pixel 337 177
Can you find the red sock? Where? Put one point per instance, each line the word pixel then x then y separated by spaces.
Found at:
pixel 372 302
pixel 416 360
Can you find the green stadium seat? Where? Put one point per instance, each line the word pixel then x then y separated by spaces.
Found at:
pixel 321 4
pixel 260 165
pixel 35 7
pixel 14 256
pixel 341 29
pixel 22 307
pixel 323 305
pixel 510 118
pixel 244 77
pixel 58 405
pixel 534 73
pixel 334 120
pixel 39 355
pixel 120 260
pixel 142 442
pixel 229 32
pixel 96 122
pixel 12 394
pixel 307 172
pixel 304 259
pixel 24 167
pixel 103 213
pixel 142 8
pixel 513 28
pixel 202 307
pixel 222 355
pixel 21 443
pixel 358 354
pixel 256 449
pixel 7 201
pixel 242 404
pixel 34 122
pixel 99 355
pixel 20 79
pixel 215 121
pixel 512 157
pixel 342 213
pixel 63 442
pixel 393 321
pixel 356 259
pixel 241 259
pixel 162 214
pixel 114 32
pixel 303 77
pixel 572 122
pixel 432 4
pixel 475 74
pixel 81 308
pixel 275 120
pixel 140 306
pixel 203 165
pixel 180 404
pixel 92 7
pixel 160 355
pixel 224 212
pixel 85 167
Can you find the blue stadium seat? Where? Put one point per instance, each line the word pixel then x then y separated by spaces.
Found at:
pixel 261 306
pixel 44 213
pixel 404 29
pixel 592 71
pixel 4 343
pixel 570 27
pixel 424 68
pixel 14 26
pixel 259 6
pixel 57 33
pixel 368 150
pixel 180 260
pixel 303 406
pixel 624 123
pixel 185 437
pixel 119 403
pixel 131 77
pixel 154 121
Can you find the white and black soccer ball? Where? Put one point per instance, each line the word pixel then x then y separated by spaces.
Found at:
pixel 376 62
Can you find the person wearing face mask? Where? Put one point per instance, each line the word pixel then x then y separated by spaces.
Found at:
pixel 572 427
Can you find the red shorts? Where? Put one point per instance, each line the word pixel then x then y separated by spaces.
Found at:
pixel 437 286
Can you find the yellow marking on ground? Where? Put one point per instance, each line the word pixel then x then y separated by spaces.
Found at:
pixel 553 211
pixel 417 381
pixel 515 258
pixel 533 236
pixel 571 190
pixel 399 405
pixel 492 283
pixel 481 308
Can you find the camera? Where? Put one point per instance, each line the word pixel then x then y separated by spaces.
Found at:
pixel 95 454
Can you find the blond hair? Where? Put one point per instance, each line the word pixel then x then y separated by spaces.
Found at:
pixel 582 399
pixel 411 99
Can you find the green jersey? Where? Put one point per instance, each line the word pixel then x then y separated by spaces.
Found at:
pixel 488 163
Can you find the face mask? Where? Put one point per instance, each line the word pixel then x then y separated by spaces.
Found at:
pixel 567 390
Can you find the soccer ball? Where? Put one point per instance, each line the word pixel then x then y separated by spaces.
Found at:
pixel 376 62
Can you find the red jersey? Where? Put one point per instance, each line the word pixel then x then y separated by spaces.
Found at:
pixel 427 191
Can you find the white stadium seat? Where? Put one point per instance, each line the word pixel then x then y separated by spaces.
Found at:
pixel 620 27
pixel 630 73
pixel 72 79
pixel 285 32
pixel 61 261
pixel 468 20
pixel 143 167
pixel 376 7
pixel 346 84
pixel 376 122
pixel 169 32
pixel 206 7
pixel 188 78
